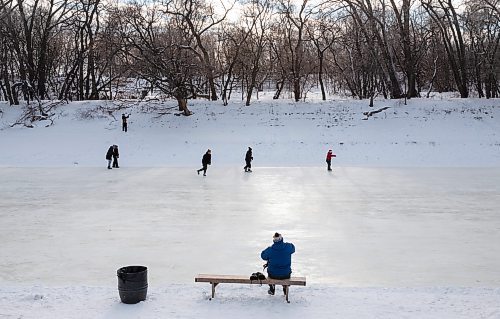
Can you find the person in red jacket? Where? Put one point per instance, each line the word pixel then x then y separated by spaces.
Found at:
pixel 329 156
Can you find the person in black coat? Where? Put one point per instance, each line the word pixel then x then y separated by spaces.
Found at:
pixel 115 156
pixel 248 160
pixel 124 122
pixel 205 161
pixel 109 155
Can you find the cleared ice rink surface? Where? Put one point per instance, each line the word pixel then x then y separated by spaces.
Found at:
pixel 364 227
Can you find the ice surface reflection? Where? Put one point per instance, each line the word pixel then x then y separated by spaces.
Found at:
pixel 355 227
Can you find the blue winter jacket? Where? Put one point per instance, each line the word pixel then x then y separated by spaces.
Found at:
pixel 279 258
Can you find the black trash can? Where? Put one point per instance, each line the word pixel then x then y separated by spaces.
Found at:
pixel 132 283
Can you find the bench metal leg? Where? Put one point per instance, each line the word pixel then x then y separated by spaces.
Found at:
pixel 214 284
pixel 286 293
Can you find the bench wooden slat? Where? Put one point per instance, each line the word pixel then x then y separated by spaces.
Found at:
pixel 214 280
pixel 237 279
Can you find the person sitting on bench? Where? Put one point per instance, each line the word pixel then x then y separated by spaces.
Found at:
pixel 279 260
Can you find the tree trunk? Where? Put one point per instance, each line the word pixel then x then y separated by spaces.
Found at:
pixel 279 88
pixel 213 90
pixel 320 77
pixel 296 89
pixel 227 83
pixel 5 97
pixel 8 90
pixel 249 95
pixel 253 82
pixel 42 70
pixel 182 103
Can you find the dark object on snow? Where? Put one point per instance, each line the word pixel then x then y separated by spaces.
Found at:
pixel 124 122
pixel 205 161
pixel 132 283
pixel 248 160
pixel 109 155
pixel 368 114
pixel 257 276
pixel 116 155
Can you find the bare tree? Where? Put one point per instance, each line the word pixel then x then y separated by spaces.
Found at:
pixel 294 28
pixel 372 23
pixel 322 33
pixel 5 52
pixel 199 17
pixel 483 28
pixel 446 17
pixel 410 51
pixel 159 55
pixel 260 13
pixel 45 18
pixel 232 45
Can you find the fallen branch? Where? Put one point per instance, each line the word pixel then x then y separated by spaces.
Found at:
pixel 36 113
pixel 368 114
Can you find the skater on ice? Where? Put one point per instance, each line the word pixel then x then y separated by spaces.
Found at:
pixel 109 155
pixel 124 122
pixel 329 156
pixel 248 160
pixel 115 156
pixel 205 161
pixel 279 260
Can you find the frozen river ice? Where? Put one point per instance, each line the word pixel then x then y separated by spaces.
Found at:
pixel 355 227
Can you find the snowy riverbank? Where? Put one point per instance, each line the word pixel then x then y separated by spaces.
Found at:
pixel 426 132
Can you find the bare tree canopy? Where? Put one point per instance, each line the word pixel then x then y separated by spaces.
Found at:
pixel 186 49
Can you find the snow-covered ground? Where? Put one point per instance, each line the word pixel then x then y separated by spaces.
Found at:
pixel 426 132
pixel 406 226
pixel 249 302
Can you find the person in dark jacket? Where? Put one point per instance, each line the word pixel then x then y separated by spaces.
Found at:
pixel 248 160
pixel 109 155
pixel 279 260
pixel 329 156
pixel 124 122
pixel 205 161
pixel 115 156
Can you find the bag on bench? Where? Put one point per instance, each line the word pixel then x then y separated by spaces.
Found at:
pixel 258 276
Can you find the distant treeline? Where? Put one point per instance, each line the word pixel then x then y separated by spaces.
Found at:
pixel 83 49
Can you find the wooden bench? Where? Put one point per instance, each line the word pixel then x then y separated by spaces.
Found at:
pixel 214 280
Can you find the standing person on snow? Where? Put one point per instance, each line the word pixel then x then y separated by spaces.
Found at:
pixel 115 156
pixel 248 160
pixel 279 260
pixel 205 161
pixel 109 155
pixel 329 156
pixel 124 122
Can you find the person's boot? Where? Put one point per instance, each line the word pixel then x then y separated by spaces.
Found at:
pixel 198 171
pixel 271 290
